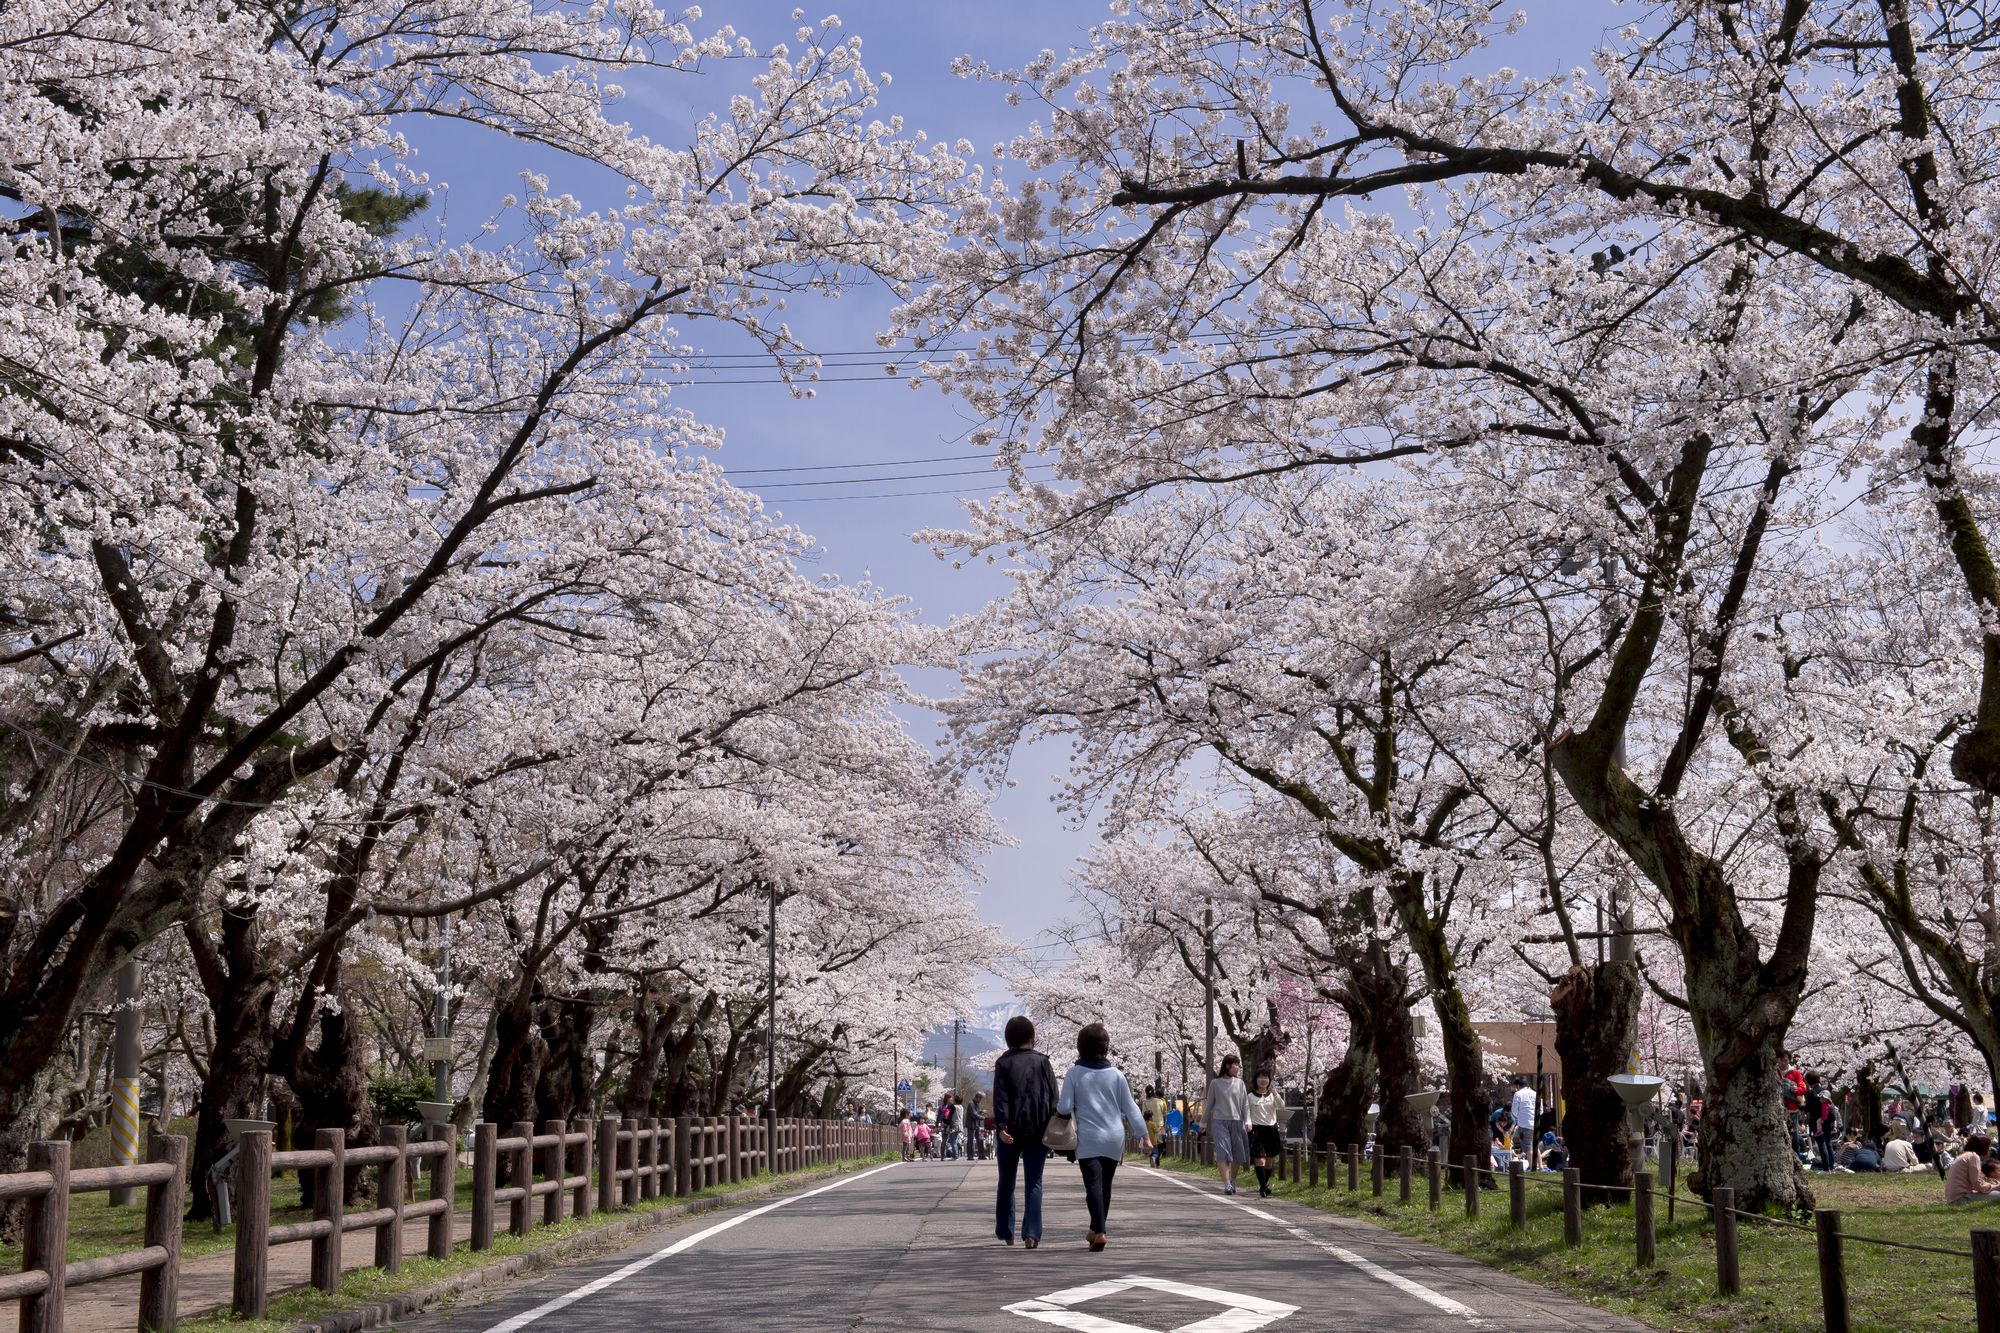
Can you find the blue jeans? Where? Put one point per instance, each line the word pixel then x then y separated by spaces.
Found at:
pixel 1033 1159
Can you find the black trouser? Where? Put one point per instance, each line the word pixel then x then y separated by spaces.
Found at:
pixel 1097 1174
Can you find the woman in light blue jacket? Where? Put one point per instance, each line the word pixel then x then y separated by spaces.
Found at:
pixel 1097 1095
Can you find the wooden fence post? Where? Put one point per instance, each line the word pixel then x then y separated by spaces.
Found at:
pixel 555 1165
pixel 522 1173
pixel 1727 1279
pixel 1642 1218
pixel 1832 1269
pixel 444 1184
pixel 1517 1193
pixel 607 1164
pixel 628 1158
pixel 1353 1168
pixel 735 1148
pixel 389 1194
pixel 251 1204
pixel 159 1288
pixel 1406 1161
pixel 1572 1206
pixel 1312 1166
pixel 1434 1170
pixel 681 1185
pixel 649 1187
pixel 1471 1172
pixel 580 1131
pixel 330 1207
pixel 485 1164
pixel 1375 1168
pixel 45 1238
pixel 1986 1280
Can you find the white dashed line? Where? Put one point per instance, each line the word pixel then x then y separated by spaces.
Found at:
pixel 591 1288
pixel 1346 1256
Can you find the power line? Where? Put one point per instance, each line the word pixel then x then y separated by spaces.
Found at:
pixel 866 481
pixel 891 495
pixel 849 467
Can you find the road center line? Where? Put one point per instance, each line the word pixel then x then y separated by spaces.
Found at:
pixel 591 1288
pixel 1408 1286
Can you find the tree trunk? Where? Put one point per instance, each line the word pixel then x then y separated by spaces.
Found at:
pixel 1397 1075
pixel 1464 1074
pixel 233 1088
pixel 239 979
pixel 332 1086
pixel 517 1067
pixel 562 1087
pixel 1740 1023
pixel 1597 1027
pixel 1868 1103
pixel 652 1024
pixel 1343 1098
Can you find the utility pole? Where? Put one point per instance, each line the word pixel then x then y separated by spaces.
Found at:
pixel 771 1021
pixel 956 1025
pixel 1208 988
pixel 441 1019
pixel 125 1079
pixel 1159 1077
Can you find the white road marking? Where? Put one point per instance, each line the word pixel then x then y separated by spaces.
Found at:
pixel 1241 1315
pixel 1403 1284
pixel 591 1288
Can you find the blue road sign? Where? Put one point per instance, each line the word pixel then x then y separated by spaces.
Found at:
pixel 904 1086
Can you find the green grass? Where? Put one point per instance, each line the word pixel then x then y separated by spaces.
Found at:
pixel 364 1285
pixel 1888 1289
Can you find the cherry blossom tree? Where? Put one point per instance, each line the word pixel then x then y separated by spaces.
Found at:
pixel 276 457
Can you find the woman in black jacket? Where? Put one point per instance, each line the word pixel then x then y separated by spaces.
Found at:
pixel 1024 1097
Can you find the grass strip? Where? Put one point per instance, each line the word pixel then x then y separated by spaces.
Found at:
pixel 1888 1289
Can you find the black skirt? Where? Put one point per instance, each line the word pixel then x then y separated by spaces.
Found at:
pixel 1266 1141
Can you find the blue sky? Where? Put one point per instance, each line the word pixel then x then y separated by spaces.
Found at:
pixel 870 418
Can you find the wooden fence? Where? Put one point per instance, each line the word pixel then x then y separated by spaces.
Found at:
pixel 565 1169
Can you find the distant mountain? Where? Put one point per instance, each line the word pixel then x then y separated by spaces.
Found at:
pixel 980 1037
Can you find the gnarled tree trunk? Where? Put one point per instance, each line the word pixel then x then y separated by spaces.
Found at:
pixel 1597 1027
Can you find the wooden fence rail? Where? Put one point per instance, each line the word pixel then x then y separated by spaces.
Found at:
pixel 571 1168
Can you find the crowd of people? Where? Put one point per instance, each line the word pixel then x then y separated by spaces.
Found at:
pixel 1091 1117
pixel 947 1130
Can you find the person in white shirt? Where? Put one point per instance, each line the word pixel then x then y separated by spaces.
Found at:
pixel 1899 1155
pixel 1266 1142
pixel 1524 1113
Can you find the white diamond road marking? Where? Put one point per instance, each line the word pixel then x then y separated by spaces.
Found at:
pixel 1243 1313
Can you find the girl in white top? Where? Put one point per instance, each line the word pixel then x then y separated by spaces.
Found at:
pixel 1266 1142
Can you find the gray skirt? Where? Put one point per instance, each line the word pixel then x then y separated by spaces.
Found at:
pixel 1232 1144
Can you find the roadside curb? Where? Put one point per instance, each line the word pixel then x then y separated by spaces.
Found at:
pixel 536 1262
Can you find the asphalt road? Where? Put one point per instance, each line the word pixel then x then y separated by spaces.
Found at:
pixel 911 1246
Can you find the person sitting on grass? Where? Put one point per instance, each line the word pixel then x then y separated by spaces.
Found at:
pixel 1966 1181
pixel 1900 1155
